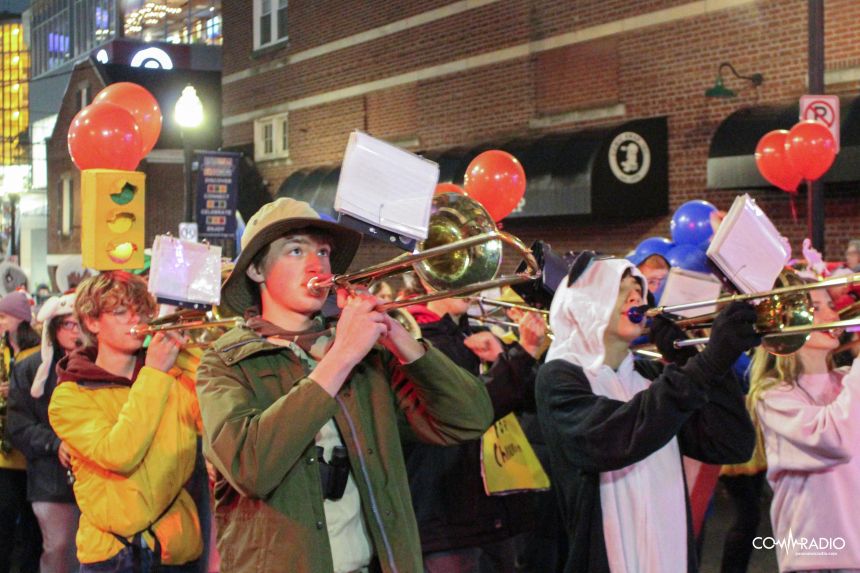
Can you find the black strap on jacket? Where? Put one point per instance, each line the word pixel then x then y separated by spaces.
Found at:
pixel 136 543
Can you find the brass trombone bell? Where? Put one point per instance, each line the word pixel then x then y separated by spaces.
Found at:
pixel 461 256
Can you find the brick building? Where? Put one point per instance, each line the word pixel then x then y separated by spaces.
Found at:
pixel 443 74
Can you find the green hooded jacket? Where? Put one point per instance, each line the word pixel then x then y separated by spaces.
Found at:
pixel 261 415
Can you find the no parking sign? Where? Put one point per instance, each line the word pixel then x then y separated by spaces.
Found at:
pixel 823 109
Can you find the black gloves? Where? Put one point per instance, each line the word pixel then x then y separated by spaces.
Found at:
pixel 663 332
pixel 733 334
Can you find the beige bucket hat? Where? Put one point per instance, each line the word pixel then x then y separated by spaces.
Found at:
pixel 271 222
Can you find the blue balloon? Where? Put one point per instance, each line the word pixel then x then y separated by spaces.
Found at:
pixel 691 223
pixel 650 246
pixel 690 258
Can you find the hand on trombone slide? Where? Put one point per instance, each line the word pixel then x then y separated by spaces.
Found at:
pixel 732 334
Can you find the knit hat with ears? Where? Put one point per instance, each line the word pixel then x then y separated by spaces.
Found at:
pixel 53 307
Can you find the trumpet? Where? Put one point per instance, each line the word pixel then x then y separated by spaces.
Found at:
pixel 784 317
pixel 461 256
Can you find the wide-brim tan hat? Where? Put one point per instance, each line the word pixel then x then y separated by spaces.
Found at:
pixel 271 222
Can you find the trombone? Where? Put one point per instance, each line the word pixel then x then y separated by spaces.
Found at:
pixel 461 256
pixel 784 317
pixel 484 317
pixel 184 320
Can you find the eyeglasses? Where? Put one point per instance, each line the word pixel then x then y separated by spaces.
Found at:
pixel 69 325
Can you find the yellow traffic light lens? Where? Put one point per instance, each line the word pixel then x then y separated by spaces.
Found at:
pixel 121 222
pixel 125 195
pixel 120 253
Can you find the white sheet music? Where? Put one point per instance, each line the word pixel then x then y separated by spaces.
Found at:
pixel 185 271
pixel 386 186
pixel 684 286
pixel 748 248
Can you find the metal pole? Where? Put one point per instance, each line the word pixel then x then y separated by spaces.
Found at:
pixel 13 228
pixel 815 189
pixel 188 153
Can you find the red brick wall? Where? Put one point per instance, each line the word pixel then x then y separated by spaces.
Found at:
pixel 659 70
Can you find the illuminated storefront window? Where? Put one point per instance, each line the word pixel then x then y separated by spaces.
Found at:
pixel 64 30
pixel 14 91
pixel 175 21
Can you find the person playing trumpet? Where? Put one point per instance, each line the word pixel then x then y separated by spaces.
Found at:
pixel 301 419
pixel 130 422
pixel 616 429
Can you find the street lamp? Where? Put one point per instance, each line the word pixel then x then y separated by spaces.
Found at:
pixel 189 115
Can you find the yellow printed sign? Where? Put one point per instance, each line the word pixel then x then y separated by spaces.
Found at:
pixel 508 462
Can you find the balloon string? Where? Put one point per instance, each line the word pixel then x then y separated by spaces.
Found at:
pixel 793 206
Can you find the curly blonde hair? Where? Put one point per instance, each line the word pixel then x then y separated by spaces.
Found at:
pixel 107 291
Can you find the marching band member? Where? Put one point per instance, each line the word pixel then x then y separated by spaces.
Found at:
pixel 616 429
pixel 19 341
pixel 33 382
pixel 303 423
pixel 460 524
pixel 810 418
pixel 130 423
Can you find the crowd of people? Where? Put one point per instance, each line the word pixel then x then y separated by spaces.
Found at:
pixel 316 440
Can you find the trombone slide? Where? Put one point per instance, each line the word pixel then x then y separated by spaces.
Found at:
pixel 784 331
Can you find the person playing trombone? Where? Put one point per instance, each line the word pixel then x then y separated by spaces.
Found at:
pixel 616 429
pixel 130 422
pixel 303 423
pixel 809 413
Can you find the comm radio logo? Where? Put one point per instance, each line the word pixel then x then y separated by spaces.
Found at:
pixel 802 545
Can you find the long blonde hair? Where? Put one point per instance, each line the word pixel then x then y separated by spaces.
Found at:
pixel 768 371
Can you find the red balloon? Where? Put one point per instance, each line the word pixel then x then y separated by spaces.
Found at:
pixel 448 188
pixel 810 147
pixel 105 136
pixel 773 163
pixel 142 106
pixel 497 181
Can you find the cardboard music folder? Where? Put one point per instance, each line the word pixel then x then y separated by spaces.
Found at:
pixel 748 248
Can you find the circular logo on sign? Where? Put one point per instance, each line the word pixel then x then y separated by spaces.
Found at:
pixel 629 157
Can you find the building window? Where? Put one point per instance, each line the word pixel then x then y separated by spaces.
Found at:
pixel 271 138
pixel 83 97
pixel 270 22
pixel 67 207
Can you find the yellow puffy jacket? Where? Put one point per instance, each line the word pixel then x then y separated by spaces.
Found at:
pixel 133 448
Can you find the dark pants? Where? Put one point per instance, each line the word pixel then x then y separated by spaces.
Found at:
pixel 123 562
pixel 198 487
pixel 18 525
pixel 745 493
pixel 496 557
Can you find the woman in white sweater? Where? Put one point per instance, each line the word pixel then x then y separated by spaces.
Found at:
pixel 810 417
